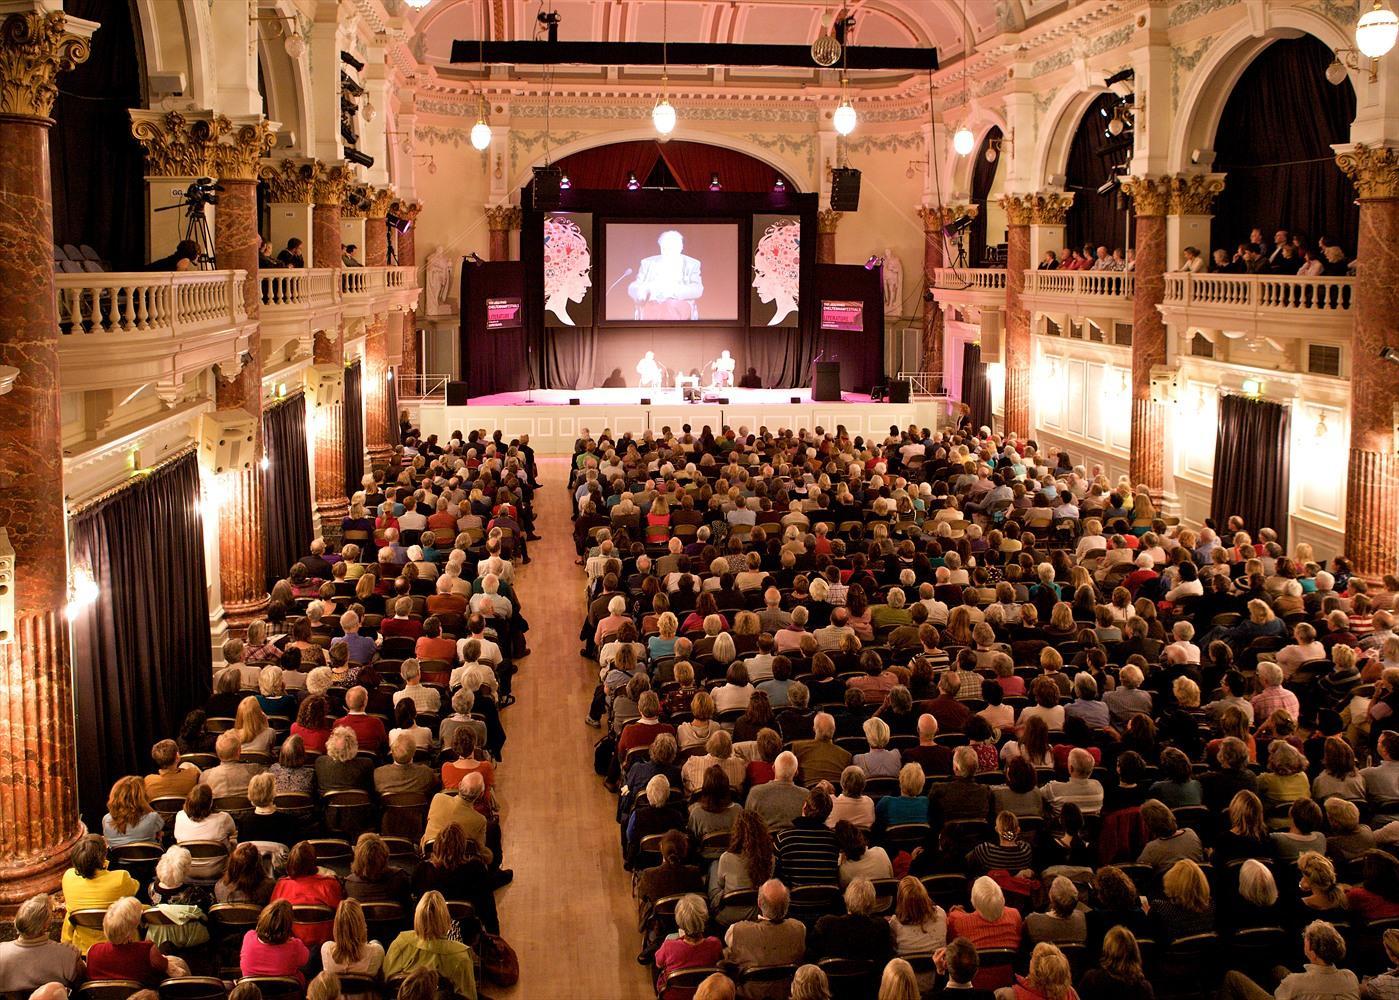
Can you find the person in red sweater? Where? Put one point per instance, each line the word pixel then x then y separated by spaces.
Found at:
pixel 304 884
pixel 400 624
pixel 272 949
pixel 644 730
pixel 369 730
pixel 124 955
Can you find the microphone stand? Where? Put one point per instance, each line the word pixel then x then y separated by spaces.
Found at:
pixel 529 391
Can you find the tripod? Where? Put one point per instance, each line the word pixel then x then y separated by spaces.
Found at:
pixel 196 230
pixel 961 259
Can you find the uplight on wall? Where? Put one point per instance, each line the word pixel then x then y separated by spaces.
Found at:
pixel 1252 387
pixel 82 592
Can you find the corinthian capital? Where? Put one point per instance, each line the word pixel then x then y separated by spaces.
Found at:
pixel 936 216
pixel 827 220
pixel 178 144
pixel 1374 170
pixel 1050 208
pixel 356 201
pixel 289 181
pixel 1194 194
pixel 1019 208
pixel 1150 195
pixel 379 201
pixel 241 147
pixel 329 182
pixel 503 218
pixel 35 46
pixel 409 210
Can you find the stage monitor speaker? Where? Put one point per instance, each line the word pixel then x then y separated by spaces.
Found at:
pixel 794 399
pixel 456 394
pixel 845 189
pixel 825 387
pixel 574 401
pixel 898 390
pixel 645 400
pixel 547 189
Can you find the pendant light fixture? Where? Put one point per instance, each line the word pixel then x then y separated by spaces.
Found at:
pixel 663 115
pixel 962 140
pixel 844 119
pixel 1376 31
pixel 481 131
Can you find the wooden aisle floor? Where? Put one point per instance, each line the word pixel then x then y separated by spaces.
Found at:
pixel 568 913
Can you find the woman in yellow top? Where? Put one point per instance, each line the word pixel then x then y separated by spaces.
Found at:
pixel 91 885
pixel 427 946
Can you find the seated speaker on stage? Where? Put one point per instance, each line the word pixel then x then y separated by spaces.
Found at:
pixel 650 371
pixel 667 285
pixel 751 380
pixel 723 371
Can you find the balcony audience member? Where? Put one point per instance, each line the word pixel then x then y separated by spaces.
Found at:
pixel 292 254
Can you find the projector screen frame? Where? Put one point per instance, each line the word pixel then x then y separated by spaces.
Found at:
pixel 743 276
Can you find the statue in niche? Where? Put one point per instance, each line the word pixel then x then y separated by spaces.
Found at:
pixel 893 283
pixel 439 268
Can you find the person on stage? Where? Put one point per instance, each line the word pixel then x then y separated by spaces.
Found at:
pixel 723 371
pixel 668 285
pixel 651 371
pixel 750 380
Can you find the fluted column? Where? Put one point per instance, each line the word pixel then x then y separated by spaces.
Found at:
pixel 1018 209
pixel 827 220
pixel 328 190
pixel 1372 479
pixel 408 365
pixel 38 773
pixel 1150 197
pixel 379 424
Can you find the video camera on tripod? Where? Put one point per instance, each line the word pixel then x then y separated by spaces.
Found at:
pixel 202 192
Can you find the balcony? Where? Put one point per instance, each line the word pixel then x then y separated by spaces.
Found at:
pixel 296 302
pixel 118 329
pixel 983 287
pixel 1102 296
pixel 1260 304
pixel 366 291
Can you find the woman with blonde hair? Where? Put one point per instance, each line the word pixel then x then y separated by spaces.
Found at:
pixel 250 725
pixel 898 982
pixel 697 731
pixel 272 694
pixel 1284 782
pixel 1185 907
pixel 428 946
pixel 349 949
pixel 1049 977
pixel 810 983
pixel 130 817
pixel 919 925
pixel 326 986
pixel 662 644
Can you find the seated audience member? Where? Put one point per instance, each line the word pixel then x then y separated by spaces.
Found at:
pixel 714 810
pixel 989 923
pixel 455 868
pixel 1184 907
pixel 772 939
pixel 779 801
pixel 369 731
pixel 1064 921
pixel 852 804
pixel 1325 949
pixel 909 806
pixel 1081 789
pixel 1006 853
pixel 878 762
pixel 858 859
pixel 819 757
pixel 807 852
pixel 746 863
pixel 857 933
pixel 305 884
pixel 272 948
pixel 350 951
pixel 33 958
pixel 960 964
pixel 461 809
pixel 1169 843
pixel 230 776
pixel 1377 896
pixel 962 798
pixel 172 778
pixel 123 955
pixel 341 768
pixel 691 948
pixel 130 817
pixel 429 946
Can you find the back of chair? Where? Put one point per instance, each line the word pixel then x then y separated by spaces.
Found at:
pixel 276 987
pixel 106 989
pixel 849 977
pixel 193 988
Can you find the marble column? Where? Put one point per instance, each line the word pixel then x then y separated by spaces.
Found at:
pixel 1016 341
pixel 39 821
pixel 408 365
pixel 826 222
pixel 328 190
pixel 500 220
pixel 243 514
pixel 1150 197
pixel 376 234
pixel 931 346
pixel 1372 479
pixel 379 424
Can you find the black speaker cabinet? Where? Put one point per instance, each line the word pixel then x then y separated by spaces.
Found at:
pixel 845 189
pixel 898 390
pixel 456 393
pixel 546 188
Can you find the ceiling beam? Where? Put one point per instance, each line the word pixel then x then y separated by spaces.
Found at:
pixel 864 57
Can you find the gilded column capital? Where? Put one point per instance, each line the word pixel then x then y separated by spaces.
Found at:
pixel 329 182
pixel 827 220
pixel 289 181
pixel 240 149
pixel 935 217
pixel 409 210
pixel 1050 208
pixel 1374 170
pixel 1194 194
pixel 1019 208
pixel 503 218
pixel 356 201
pixel 379 201
pixel 1150 195
pixel 36 46
pixel 178 144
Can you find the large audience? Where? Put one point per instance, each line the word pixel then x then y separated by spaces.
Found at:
pixel 942 711
pixel 327 825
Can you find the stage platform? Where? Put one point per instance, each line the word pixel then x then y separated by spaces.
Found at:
pixel 553 423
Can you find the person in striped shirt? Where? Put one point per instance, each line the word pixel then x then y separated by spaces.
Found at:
pixel 807 853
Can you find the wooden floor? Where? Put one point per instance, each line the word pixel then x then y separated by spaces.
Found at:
pixel 568 913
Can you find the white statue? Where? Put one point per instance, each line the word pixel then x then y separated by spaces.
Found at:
pixel 893 284
pixel 439 268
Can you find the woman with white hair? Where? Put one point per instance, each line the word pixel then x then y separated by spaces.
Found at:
pixel 857 933
pixel 1063 921
pixel 852 803
pixel 690 949
pixel 123 955
pixel 185 901
pixel 1257 902
pixel 989 923
pixel 879 761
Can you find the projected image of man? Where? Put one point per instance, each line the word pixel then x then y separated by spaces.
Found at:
pixel 668 285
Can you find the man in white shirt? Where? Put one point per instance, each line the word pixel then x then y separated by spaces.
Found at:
pixel 476 627
pixel 759 665
pixel 425 698
pixel 494 564
pixel 937 610
pixel 410 519
pixel 489 602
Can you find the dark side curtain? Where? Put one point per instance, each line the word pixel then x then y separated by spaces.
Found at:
pixel 1096 218
pixel 353 411
pixel 141 652
pixel 1274 142
pixel 286 486
pixel 983 176
pixel 1252 464
pixel 976 391
pixel 95 166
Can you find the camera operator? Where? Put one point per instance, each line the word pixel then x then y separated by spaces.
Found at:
pixel 185 258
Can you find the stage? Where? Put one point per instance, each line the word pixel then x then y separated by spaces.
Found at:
pixel 553 423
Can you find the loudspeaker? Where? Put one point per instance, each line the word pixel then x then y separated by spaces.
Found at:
pixel 898 390
pixel 456 394
pixel 723 400
pixel 547 193
pixel 845 189
pixel 794 399
pixel 325 385
pixel 645 400
pixel 226 439
pixel 574 401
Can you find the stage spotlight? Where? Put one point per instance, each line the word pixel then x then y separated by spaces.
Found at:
pixel 714 184
pixel 779 185
pixel 874 261
pixel 565 183
pixel 632 183
pixel 1390 354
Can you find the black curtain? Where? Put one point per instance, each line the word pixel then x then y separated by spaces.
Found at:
pixel 1251 464
pixel 353 411
pixel 1096 218
pixel 493 360
pixel 983 176
pixel 141 652
pixel 976 391
pixel 286 486
pixel 95 166
pixel 1274 142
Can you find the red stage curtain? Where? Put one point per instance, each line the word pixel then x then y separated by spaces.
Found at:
pixel 693 163
pixel 605 168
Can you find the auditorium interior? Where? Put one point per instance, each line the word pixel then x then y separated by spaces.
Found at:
pixel 699 499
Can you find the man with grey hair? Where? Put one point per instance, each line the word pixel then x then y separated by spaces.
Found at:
pixel 772 618
pixel 402 776
pixel 491 602
pixel 230 776
pixel 1082 788
pixel 963 797
pixel 34 960
pixel 819 757
pixel 779 801
pixel 772 939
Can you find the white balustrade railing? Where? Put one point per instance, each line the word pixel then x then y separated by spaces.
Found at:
pixel 422 386
pixel 298 287
pixel 363 280
pixel 981 278
pixel 1260 293
pixel 401 277
pixel 1107 284
pixel 176 303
